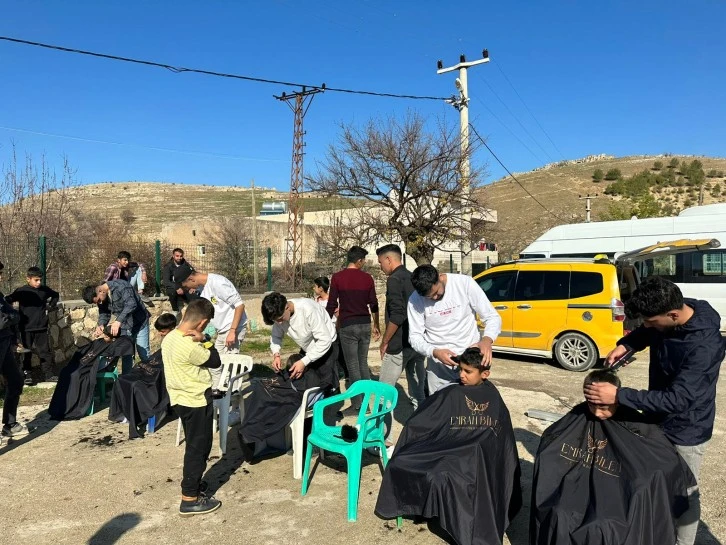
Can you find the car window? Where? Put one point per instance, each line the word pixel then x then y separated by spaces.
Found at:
pixel 499 286
pixel 583 284
pixel 542 286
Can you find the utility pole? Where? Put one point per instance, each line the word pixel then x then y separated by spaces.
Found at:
pixel 299 102
pixel 254 236
pixel 588 198
pixel 462 105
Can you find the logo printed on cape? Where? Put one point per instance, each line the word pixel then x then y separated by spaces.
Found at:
pixel 476 419
pixel 589 458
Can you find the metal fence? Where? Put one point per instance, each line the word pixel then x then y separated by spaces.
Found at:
pixel 69 267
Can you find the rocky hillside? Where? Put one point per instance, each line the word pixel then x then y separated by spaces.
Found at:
pixel 559 186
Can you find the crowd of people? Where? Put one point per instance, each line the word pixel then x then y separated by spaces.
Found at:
pixel 622 467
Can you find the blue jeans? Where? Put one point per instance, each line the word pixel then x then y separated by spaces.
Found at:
pixel 141 340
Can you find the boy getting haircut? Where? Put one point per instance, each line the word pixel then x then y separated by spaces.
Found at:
pixel 165 322
pixel 197 310
pixel 472 358
pixel 602 375
pixel 34 272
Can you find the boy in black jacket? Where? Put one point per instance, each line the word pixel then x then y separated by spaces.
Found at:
pixel 9 318
pixel 35 300
pixel 686 351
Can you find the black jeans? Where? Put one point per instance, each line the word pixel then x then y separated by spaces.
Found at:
pixel 14 387
pixel 198 427
pixel 37 341
pixel 175 299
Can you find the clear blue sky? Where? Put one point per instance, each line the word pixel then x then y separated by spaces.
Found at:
pixel 600 77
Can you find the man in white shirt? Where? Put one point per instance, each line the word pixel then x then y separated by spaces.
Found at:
pixel 442 322
pixel 230 318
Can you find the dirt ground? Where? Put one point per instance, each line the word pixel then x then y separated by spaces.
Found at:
pixel 84 482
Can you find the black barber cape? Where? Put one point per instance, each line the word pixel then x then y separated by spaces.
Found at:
pixel 456 461
pixel 275 400
pixel 77 380
pixel 611 482
pixel 139 394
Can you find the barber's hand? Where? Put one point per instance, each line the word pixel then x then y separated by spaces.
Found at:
pixel 383 348
pixel 485 347
pixel 180 291
pixel 614 355
pixel 601 393
pixel 277 362
pixel 231 339
pixel 98 331
pixel 115 326
pixel 193 290
pixel 297 370
pixel 444 355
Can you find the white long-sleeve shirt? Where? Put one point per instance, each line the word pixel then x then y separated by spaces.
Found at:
pixel 310 327
pixel 451 321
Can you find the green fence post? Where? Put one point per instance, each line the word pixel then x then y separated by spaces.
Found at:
pixel 157 266
pixel 451 263
pixel 269 269
pixel 42 261
pixel 488 264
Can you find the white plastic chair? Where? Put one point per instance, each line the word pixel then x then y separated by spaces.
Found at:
pixel 295 429
pixel 235 367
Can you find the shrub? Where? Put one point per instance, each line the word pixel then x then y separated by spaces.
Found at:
pixel 673 163
pixel 597 176
pixel 687 203
pixel 712 173
pixel 613 174
pixel 658 165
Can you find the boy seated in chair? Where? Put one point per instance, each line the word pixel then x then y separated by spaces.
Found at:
pixel 456 460
pixel 605 475
pixel 141 393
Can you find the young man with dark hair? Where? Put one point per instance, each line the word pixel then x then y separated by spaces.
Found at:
pixel 442 322
pixel 186 369
pixel 355 292
pixel 118 298
pixel 396 351
pixel 230 318
pixel 177 266
pixel 118 270
pixel 686 351
pixel 34 302
pixel 9 319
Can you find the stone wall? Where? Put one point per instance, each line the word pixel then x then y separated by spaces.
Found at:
pixel 72 325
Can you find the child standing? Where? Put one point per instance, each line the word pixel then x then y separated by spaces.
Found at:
pixel 35 300
pixel 186 368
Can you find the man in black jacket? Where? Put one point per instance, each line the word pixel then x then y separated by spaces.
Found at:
pixel 9 318
pixel 396 351
pixel 35 301
pixel 686 351
pixel 174 291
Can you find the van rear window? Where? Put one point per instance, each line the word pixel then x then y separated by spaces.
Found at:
pixel 583 284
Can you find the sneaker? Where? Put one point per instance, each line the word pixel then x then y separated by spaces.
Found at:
pixel 200 506
pixel 28 381
pixel 52 378
pixel 14 430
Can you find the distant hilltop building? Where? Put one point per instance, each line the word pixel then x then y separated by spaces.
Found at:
pixel 273 208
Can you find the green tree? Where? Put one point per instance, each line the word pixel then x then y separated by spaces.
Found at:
pixel 658 165
pixel 673 163
pixel 613 174
pixel 597 176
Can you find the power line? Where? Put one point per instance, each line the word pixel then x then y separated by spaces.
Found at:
pixel 512 175
pixel 495 116
pixel 153 148
pixel 516 118
pixel 180 69
pixel 530 111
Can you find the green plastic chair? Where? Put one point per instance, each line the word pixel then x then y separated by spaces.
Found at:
pixel 101 379
pixel 379 400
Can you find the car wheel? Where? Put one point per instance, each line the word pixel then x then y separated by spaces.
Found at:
pixel 575 352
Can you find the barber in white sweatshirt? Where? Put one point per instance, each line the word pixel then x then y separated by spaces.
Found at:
pixel 442 322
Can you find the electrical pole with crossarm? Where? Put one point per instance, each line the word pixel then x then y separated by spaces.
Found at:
pixel 462 105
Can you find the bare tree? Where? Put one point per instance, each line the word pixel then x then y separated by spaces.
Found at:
pixel 231 247
pixel 410 178
pixel 34 201
pixel 344 228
